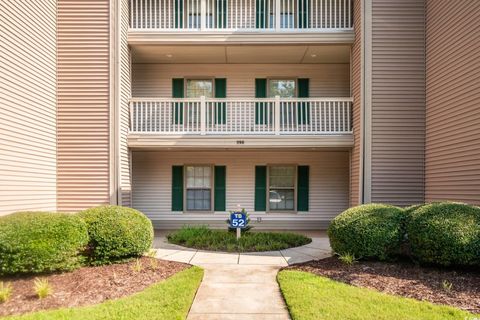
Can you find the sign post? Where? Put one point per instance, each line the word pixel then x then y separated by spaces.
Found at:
pixel 238 220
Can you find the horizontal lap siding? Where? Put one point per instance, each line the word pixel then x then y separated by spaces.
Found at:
pixel 326 80
pixel 27 105
pixel 398 101
pixel 83 104
pixel 453 95
pixel 329 176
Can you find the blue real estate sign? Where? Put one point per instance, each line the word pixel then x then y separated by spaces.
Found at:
pixel 238 220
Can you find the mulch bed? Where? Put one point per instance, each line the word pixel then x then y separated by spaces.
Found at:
pixel 87 285
pixel 404 279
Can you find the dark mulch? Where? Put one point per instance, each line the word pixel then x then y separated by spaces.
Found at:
pixel 404 279
pixel 88 285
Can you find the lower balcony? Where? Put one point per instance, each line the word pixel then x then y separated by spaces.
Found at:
pixel 249 122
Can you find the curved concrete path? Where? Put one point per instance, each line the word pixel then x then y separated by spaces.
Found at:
pixel 241 285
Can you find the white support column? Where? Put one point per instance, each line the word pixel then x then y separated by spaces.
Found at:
pixel 203 116
pixel 277 115
pixel 203 15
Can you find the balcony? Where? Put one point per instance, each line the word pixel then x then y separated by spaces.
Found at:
pixel 310 122
pixel 242 21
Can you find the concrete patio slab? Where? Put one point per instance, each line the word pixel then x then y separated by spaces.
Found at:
pixel 274 258
pixel 244 274
pixel 208 257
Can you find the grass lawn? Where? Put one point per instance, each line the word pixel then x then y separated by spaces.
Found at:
pixel 222 240
pixel 169 299
pixel 312 297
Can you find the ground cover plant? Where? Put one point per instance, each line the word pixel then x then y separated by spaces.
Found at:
pixel 222 240
pixel 168 299
pixel 311 297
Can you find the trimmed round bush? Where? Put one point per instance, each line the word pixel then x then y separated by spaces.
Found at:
pixel 116 233
pixel 445 234
pixel 37 242
pixel 368 231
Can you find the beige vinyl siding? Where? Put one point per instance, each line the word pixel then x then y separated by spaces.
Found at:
pixel 329 185
pixel 398 101
pixel 125 86
pixel 326 80
pixel 83 104
pixel 356 56
pixel 453 95
pixel 27 105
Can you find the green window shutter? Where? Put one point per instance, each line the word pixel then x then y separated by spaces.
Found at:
pixel 304 107
pixel 303 185
pixel 261 15
pixel 303 14
pixel 260 188
pixel 220 188
pixel 178 13
pixel 177 188
pixel 221 107
pixel 221 14
pixel 260 107
pixel 178 92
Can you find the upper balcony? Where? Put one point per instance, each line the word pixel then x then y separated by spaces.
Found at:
pixel 240 21
pixel 235 122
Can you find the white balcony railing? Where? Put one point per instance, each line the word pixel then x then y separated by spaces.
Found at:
pixel 275 116
pixel 241 15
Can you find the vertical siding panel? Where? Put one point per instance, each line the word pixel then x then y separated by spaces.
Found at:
pixel 27 105
pixel 398 101
pixel 125 78
pixel 453 95
pixel 329 185
pixel 356 56
pixel 83 104
pixel 326 80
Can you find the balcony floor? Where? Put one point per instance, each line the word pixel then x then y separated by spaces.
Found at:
pixel 152 37
pixel 162 141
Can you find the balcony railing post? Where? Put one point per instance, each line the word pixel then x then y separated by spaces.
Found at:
pixel 203 116
pixel 131 116
pixel 277 14
pixel 203 14
pixel 277 115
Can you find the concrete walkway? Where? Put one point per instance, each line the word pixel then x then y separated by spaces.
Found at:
pixel 241 285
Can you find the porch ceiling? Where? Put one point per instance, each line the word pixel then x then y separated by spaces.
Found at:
pixel 241 54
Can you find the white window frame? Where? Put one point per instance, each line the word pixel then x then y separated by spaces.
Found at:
pixel 284 79
pixel 212 187
pixel 295 187
pixel 199 79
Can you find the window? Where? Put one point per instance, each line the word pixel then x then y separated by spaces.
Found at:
pixel 281 188
pixel 199 188
pixel 282 88
pixel 199 87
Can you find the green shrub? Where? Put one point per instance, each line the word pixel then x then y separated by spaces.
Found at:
pixel 34 242
pixel 445 234
pixel 116 233
pixel 368 231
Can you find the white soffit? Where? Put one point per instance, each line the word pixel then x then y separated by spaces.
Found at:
pixel 241 54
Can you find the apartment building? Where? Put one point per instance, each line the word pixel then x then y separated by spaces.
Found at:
pixel 187 109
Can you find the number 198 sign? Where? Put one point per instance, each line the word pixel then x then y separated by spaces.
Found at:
pixel 238 220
